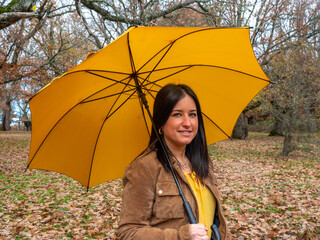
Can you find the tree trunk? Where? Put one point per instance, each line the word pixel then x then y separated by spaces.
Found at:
pixel 6 116
pixel 27 125
pixel 288 143
pixel 311 120
pixel 277 129
pixel 240 130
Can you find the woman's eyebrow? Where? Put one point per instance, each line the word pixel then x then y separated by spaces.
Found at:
pixel 179 110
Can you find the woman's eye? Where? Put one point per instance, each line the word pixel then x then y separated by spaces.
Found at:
pixel 176 114
pixel 193 114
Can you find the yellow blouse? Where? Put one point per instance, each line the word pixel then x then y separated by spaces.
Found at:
pixel 205 199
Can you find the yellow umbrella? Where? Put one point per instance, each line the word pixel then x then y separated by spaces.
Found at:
pixel 90 123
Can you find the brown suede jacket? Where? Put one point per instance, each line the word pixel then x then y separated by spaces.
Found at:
pixel 151 205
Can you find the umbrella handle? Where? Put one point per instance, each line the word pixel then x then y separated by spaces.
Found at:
pixel 192 218
pixel 215 233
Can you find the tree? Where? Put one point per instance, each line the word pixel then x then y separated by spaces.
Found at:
pixel 35 51
pixel 10 70
pixel 21 9
pixel 277 24
pixel 295 72
pixel 296 93
pixel 105 20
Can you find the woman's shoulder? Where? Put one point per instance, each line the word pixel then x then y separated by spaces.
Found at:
pixel 148 159
pixel 145 168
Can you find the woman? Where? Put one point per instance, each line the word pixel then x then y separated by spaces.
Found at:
pixel 151 205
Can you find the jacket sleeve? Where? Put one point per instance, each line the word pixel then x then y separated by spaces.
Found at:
pixel 228 235
pixel 137 205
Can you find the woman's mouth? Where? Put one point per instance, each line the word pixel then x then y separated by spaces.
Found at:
pixel 185 133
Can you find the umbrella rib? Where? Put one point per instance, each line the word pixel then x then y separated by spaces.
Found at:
pixel 98 70
pixel 182 70
pixel 155 81
pixel 158 62
pixel 107 117
pixel 111 95
pixel 204 65
pixel 88 71
pixel 217 126
pixel 116 81
pixel 133 67
pixel 155 55
pixel 150 92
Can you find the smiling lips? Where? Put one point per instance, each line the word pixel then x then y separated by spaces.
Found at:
pixel 186 133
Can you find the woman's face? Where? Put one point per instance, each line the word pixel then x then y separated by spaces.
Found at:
pixel 182 124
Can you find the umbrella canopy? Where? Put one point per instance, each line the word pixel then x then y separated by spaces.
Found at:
pixel 90 123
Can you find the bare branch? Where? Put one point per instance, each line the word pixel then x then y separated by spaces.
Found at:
pixel 135 21
pixel 96 39
pixel 18 10
pixel 6 19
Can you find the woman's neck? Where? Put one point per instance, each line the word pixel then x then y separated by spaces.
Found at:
pixel 182 160
pixel 179 154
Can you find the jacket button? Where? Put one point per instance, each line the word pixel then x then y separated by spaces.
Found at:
pixel 160 192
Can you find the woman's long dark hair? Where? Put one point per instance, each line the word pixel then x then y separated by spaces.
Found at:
pixel 197 150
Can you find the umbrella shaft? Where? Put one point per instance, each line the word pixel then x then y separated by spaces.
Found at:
pixel 141 95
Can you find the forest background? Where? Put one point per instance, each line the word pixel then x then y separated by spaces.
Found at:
pixel 40 40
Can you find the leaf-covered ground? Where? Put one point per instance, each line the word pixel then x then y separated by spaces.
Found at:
pixel 264 196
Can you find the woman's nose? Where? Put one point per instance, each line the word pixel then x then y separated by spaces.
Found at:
pixel 186 121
